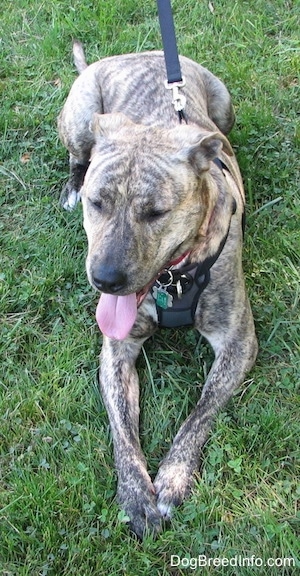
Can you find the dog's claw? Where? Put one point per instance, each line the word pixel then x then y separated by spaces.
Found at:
pixel 165 510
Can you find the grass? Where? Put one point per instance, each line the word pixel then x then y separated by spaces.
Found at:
pixel 58 515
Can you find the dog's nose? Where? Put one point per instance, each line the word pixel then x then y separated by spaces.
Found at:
pixel 109 279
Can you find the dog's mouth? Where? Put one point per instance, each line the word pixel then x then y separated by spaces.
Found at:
pixel 116 315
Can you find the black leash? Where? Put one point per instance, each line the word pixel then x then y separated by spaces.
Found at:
pixel 175 80
pixel 169 41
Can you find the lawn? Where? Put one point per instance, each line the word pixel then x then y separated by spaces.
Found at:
pixel 58 514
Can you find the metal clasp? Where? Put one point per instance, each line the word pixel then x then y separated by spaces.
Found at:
pixel 179 100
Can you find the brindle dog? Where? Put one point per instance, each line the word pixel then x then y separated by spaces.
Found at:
pixel 155 198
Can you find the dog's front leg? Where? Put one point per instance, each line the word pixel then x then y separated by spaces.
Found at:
pixel 120 391
pixel 175 476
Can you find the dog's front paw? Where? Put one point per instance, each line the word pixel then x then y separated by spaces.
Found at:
pixel 138 500
pixel 172 485
pixel 69 197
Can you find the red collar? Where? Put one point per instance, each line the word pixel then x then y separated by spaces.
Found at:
pixel 178 260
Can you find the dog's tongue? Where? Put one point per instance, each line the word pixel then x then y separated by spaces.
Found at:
pixel 116 315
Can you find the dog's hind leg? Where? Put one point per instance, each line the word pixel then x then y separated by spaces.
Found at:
pixel 120 391
pixel 84 100
pixel 70 194
pixel 233 358
pixel 219 105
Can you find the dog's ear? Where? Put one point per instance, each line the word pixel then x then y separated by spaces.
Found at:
pixel 103 125
pixel 200 148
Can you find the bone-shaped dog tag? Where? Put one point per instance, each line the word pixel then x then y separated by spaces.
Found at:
pixel 163 298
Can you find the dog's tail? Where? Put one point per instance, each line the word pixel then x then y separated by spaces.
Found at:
pixel 79 57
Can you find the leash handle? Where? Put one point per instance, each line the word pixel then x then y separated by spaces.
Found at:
pixel 167 28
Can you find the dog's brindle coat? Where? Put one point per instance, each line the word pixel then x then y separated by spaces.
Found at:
pixel 151 193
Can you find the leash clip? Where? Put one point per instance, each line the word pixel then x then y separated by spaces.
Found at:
pixel 179 100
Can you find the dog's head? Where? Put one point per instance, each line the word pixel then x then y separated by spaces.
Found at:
pixel 150 195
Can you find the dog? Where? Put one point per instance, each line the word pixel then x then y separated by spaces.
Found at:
pixel 163 210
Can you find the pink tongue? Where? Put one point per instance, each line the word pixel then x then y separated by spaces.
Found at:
pixel 116 315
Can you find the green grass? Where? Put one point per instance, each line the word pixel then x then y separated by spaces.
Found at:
pixel 58 514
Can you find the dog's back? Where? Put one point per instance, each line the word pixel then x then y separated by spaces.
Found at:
pixel 134 84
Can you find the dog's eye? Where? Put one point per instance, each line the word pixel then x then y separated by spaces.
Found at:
pixel 153 215
pixel 96 204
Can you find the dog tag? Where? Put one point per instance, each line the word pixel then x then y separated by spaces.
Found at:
pixel 163 298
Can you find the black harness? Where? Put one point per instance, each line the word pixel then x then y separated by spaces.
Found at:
pixel 176 294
